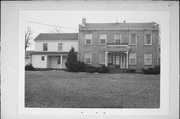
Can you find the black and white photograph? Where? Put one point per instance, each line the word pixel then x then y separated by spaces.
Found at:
pixel 89 59
pixel 93 59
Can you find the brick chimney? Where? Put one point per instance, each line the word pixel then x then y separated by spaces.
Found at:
pixel 83 21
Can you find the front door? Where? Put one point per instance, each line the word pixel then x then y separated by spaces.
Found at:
pixel 119 61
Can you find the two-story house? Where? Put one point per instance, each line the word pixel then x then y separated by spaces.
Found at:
pixel 119 45
pixel 51 50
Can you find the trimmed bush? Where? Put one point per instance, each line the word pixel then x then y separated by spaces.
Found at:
pixel 91 69
pixel 131 71
pixel 152 70
pixel 29 67
pixel 80 66
pixel 103 69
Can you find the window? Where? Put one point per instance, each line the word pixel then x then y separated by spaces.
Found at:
pixel 88 39
pixel 102 57
pixel 117 38
pixel 88 57
pixel 132 58
pixel 42 58
pixel 148 39
pixel 59 60
pixel 147 58
pixel 60 48
pixel 133 39
pixel 45 46
pixel 103 39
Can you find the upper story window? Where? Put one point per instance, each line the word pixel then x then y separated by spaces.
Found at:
pixel 148 58
pixel 88 57
pixel 60 46
pixel 117 38
pixel 132 58
pixel 102 57
pixel 148 39
pixel 45 46
pixel 133 39
pixel 103 38
pixel 88 39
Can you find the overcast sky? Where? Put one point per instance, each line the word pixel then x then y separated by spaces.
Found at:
pixel 72 19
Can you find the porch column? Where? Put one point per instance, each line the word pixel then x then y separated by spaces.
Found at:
pixel 127 57
pixel 106 58
pixel 61 61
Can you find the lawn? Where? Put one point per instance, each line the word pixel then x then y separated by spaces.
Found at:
pixel 59 89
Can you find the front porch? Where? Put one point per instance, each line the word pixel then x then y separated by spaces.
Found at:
pixel 56 61
pixel 118 60
pixel 117 56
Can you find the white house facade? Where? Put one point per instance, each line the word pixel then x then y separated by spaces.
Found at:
pixel 51 50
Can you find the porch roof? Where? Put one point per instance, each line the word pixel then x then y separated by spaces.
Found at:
pixel 117 48
pixel 49 53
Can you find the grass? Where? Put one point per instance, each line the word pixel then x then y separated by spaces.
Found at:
pixel 60 89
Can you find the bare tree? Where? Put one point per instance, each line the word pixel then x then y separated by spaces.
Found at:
pixel 56 30
pixel 28 37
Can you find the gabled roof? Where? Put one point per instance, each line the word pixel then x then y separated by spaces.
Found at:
pixel 151 25
pixel 56 36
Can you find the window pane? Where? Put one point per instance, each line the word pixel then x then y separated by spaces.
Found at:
pixel 60 46
pixel 117 60
pixel 45 47
pixel 117 38
pixel 148 39
pixel 59 60
pixel 103 41
pixel 88 41
pixel 88 60
pixel 103 36
pixel 117 41
pixel 88 57
pixel 132 58
pixel 133 39
pixel 102 57
pixel 147 58
pixel 42 58
pixel 88 36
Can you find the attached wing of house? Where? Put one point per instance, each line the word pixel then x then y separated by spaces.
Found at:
pixel 51 49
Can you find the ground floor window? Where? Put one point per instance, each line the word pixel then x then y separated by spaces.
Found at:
pixel 42 58
pixel 88 57
pixel 132 58
pixel 59 60
pixel 147 58
pixel 102 57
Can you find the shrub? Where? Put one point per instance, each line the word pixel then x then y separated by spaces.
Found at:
pixel 29 67
pixel 152 70
pixel 71 61
pixel 103 69
pixel 80 66
pixel 131 71
pixel 91 69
